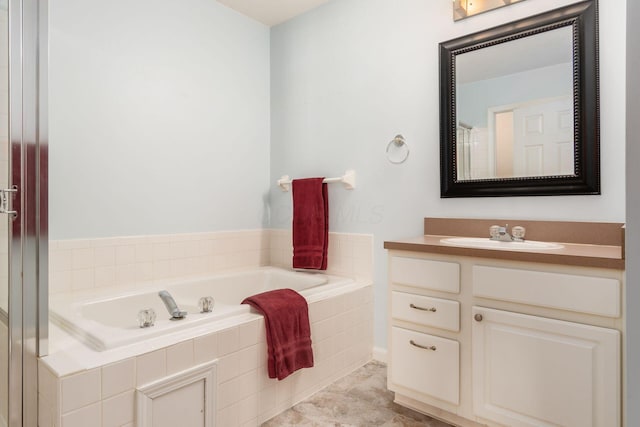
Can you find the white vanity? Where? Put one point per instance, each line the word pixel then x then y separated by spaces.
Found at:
pixel 509 338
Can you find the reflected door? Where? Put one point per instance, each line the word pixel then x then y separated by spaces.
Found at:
pixel 543 143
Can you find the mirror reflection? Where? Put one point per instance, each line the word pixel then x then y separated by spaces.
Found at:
pixel 514 108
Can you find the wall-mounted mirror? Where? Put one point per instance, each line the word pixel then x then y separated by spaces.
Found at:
pixel 519 107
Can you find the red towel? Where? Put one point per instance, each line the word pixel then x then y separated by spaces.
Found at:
pixel 286 317
pixel 310 223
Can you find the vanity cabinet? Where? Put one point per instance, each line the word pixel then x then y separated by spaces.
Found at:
pixel 482 341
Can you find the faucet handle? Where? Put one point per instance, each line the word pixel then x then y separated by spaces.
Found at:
pixel 518 233
pixel 494 231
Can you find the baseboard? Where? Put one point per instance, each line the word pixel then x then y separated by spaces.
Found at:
pixel 380 354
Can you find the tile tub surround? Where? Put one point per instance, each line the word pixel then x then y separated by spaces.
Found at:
pixel 349 254
pixel 95 263
pixel 342 334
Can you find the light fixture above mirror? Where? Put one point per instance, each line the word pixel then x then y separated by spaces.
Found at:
pixel 466 8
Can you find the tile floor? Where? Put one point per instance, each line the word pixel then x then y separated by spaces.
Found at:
pixel 359 399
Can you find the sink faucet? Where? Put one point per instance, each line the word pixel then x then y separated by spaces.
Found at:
pixel 171 305
pixel 502 235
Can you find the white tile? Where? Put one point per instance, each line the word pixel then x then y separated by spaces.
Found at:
pixel 228 341
pixel 104 242
pixel 180 357
pixel 144 271
pixel 48 384
pixel 161 251
pixel 45 413
pixel 248 408
pixel 126 274
pixel 118 410
pixel 104 256
pixel 248 358
pixel 80 390
pixel 125 254
pixel 228 417
pixel 205 348
pixel 82 258
pixel 179 267
pixel 323 329
pixel 82 279
pixel 105 276
pixel 248 384
pixel 144 252
pixel 284 393
pixel 150 367
pixel 74 244
pixel 267 400
pixel 84 417
pixel 185 249
pixel 118 377
pixel 228 393
pixel 60 281
pixel 60 260
pixel 228 367
pixel 206 247
pixel 251 333
pixel 161 269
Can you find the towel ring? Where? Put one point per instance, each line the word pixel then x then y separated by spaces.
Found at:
pixel 397 150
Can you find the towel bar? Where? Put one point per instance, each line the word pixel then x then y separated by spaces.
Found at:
pixel 348 180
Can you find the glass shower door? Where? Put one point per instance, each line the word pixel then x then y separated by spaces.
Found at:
pixel 4 219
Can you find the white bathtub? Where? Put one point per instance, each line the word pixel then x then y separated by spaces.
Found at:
pixel 107 321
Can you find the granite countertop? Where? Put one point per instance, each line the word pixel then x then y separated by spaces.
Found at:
pixel 578 254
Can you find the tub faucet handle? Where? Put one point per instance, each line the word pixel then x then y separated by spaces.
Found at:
pixel 205 304
pixel 146 318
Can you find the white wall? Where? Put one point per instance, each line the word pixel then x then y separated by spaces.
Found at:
pixel 351 74
pixel 159 118
pixel 475 98
pixel 632 405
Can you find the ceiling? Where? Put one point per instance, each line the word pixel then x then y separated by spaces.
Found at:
pixel 272 12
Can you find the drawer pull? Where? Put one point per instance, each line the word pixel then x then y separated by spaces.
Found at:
pixel 431 347
pixel 431 309
pixel 478 317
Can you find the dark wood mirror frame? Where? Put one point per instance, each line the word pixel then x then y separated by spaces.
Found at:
pixel 583 18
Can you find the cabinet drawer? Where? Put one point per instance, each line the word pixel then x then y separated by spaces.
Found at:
pixel 423 273
pixel 433 370
pixel 586 294
pixel 428 311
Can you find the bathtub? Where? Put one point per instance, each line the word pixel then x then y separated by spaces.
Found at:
pixel 110 320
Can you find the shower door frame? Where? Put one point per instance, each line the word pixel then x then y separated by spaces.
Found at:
pixel 28 232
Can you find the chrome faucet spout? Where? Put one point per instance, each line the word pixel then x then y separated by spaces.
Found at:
pixel 171 305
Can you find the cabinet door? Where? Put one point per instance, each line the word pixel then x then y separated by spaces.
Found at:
pixel 426 364
pixel 533 371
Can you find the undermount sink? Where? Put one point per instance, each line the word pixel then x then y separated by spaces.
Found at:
pixel 486 243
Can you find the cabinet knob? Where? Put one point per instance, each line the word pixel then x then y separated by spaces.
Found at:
pixel 478 317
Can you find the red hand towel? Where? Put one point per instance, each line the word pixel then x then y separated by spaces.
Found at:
pixel 310 223
pixel 286 317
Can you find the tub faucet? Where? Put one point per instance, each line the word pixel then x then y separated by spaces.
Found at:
pixel 171 305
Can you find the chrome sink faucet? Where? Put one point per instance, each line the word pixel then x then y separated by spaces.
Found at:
pixel 171 305
pixel 501 234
